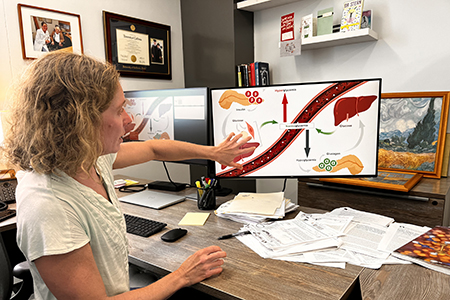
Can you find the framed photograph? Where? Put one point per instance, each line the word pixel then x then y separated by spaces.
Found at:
pixel 413 131
pixel 388 180
pixel 137 48
pixel 43 30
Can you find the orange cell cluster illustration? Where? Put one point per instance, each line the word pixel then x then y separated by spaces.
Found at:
pixel 351 162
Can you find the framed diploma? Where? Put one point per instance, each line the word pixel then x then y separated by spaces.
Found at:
pixel 43 30
pixel 137 48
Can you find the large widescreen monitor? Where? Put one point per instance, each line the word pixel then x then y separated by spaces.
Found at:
pixel 176 114
pixel 318 129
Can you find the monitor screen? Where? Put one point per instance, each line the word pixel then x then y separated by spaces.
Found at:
pixel 176 114
pixel 320 129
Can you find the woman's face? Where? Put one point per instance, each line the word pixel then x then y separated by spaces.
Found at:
pixel 115 123
pixel 44 27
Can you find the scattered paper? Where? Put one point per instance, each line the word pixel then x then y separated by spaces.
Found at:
pixel 258 203
pixel 332 239
pixel 250 212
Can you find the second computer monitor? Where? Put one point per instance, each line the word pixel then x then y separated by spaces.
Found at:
pixel 175 114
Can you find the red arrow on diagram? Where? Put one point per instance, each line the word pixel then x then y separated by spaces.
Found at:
pixel 284 102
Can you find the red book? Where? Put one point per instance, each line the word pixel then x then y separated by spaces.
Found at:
pixel 251 74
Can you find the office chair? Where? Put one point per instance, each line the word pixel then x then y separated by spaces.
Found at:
pixel 22 290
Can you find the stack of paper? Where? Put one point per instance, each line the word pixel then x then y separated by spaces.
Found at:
pixel 332 239
pixel 254 208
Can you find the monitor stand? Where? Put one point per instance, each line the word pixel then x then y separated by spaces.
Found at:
pixel 166 186
pixel 223 191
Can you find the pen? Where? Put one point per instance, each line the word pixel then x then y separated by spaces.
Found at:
pixel 199 188
pixel 229 236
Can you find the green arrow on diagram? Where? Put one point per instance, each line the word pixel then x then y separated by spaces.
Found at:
pixel 269 122
pixel 322 132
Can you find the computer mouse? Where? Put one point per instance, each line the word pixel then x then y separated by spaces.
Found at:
pixel 173 235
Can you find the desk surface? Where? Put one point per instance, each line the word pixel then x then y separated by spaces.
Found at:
pixel 246 275
pixel 408 282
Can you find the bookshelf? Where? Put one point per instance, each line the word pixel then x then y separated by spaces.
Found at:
pixel 339 38
pixel 256 5
pixel 315 42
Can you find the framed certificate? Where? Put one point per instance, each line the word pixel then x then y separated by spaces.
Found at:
pixel 137 48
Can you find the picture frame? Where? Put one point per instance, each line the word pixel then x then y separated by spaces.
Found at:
pixel 413 129
pixel 62 31
pixel 388 180
pixel 137 48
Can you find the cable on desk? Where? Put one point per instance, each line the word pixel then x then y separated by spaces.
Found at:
pixel 168 175
pixel 284 184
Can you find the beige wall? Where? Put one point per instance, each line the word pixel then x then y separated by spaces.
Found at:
pixel 160 11
pixel 167 12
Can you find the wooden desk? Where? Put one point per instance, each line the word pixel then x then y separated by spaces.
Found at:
pixel 404 282
pixel 246 275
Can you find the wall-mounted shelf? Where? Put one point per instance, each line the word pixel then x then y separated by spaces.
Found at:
pixel 340 38
pixel 255 5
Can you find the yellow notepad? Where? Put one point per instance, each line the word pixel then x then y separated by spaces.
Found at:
pixel 196 219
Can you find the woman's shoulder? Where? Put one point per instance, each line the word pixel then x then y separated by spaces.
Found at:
pixel 33 184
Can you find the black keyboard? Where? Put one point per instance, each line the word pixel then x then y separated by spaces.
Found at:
pixel 142 227
pixel 6 214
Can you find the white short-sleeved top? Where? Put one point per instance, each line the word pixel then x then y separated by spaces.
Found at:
pixel 56 215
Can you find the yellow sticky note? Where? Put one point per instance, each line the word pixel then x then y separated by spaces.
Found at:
pixel 196 219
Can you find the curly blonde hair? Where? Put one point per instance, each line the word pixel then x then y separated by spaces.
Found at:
pixel 56 115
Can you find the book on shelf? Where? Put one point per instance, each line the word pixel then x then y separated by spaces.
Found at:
pixel 352 15
pixel 239 75
pixel 253 74
pixel 325 21
pixel 309 26
pixel 262 73
pixel 366 19
pixel 430 250
pixel 243 75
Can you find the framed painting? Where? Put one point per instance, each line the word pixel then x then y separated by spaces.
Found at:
pixel 137 48
pixel 388 180
pixel 412 132
pixel 43 30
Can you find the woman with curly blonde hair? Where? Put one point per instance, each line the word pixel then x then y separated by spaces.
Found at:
pixel 67 124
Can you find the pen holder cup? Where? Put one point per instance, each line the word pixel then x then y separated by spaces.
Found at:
pixel 206 198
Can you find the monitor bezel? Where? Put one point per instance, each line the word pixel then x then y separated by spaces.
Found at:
pixel 208 111
pixel 212 169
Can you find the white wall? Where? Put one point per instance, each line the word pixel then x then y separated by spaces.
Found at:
pixel 412 53
pixel 160 11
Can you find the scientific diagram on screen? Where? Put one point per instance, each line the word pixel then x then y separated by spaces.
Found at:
pixel 317 130
pixel 153 118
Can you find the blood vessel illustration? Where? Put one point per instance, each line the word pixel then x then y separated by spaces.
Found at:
pixel 309 112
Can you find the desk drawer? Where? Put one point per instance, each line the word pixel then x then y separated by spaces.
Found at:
pixel 427 212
